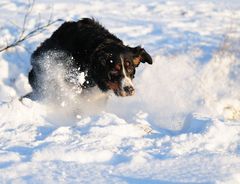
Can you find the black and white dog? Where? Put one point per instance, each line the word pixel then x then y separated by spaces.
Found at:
pixel 85 47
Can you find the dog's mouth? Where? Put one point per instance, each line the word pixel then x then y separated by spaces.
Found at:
pixel 123 93
pixel 120 90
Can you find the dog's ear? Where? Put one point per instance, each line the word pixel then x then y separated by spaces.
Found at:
pixel 140 55
pixel 103 60
pixel 100 57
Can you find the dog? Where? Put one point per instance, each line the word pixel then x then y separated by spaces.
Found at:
pixel 84 47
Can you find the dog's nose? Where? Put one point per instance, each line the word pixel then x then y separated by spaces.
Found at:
pixel 129 90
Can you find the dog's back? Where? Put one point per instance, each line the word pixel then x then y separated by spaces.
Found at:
pixel 71 45
pixel 79 39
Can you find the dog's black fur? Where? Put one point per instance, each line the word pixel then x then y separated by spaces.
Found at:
pixel 93 50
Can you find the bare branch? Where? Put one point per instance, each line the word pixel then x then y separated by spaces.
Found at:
pixel 30 34
pixel 29 10
pixel 24 35
pixel 14 24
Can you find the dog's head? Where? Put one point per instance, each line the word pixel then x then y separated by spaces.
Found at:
pixel 113 67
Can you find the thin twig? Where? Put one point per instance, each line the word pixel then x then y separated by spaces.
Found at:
pixel 29 10
pixel 23 35
pixel 30 34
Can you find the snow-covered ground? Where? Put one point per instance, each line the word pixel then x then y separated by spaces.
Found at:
pixel 183 124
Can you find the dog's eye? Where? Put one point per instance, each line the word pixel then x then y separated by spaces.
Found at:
pixel 127 63
pixel 118 67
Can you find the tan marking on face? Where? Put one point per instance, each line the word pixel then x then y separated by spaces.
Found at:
pixel 137 60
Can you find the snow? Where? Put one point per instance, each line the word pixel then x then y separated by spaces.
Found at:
pixel 181 126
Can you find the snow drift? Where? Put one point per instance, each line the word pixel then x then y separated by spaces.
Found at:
pixel 182 126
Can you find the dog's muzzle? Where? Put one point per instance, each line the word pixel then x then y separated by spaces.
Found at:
pixel 120 90
pixel 125 91
pixel 126 87
pixel 129 90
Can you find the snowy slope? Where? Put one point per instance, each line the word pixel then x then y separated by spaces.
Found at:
pixel 183 124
